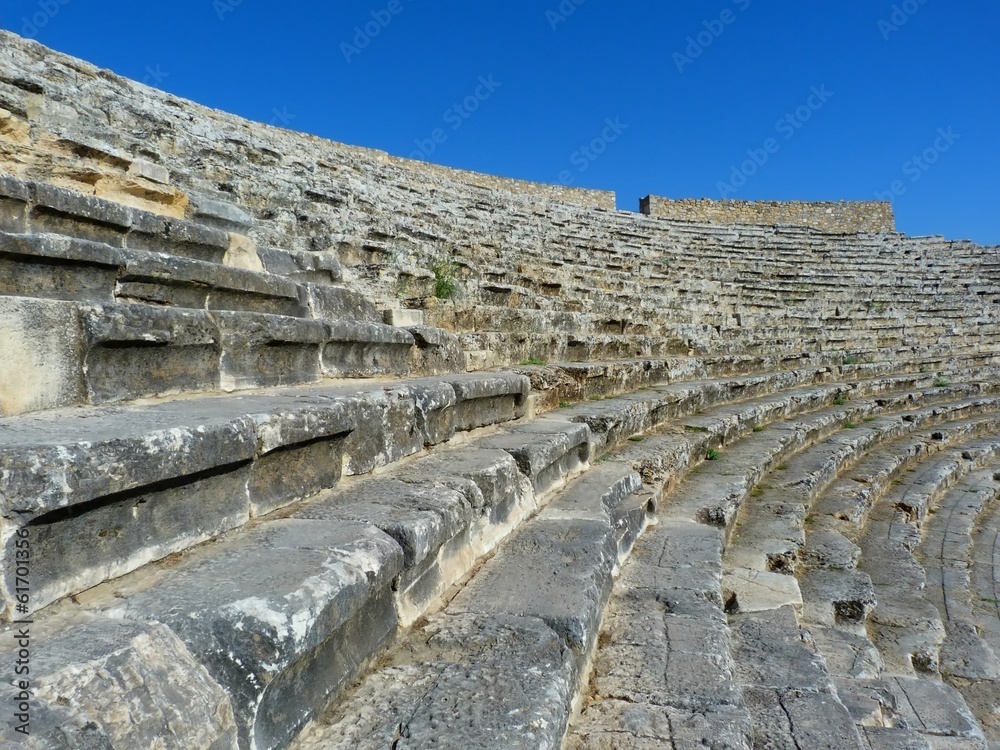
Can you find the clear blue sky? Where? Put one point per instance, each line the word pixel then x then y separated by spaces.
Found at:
pixel 687 109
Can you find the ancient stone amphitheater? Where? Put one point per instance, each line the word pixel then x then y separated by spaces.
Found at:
pixel 307 446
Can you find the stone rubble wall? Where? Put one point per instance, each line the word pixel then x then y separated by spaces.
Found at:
pixel 583 197
pixel 844 217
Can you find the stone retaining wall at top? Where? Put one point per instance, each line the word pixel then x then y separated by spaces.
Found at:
pixel 845 217
pixel 577 196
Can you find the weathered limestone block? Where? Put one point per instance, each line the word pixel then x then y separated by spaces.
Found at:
pixel 624 725
pixel 220 215
pixel 837 597
pixel 134 191
pixel 750 590
pixel 259 351
pixel 847 654
pixel 881 738
pixel 135 351
pixel 491 682
pixel 437 352
pixel 65 212
pixel 610 493
pixel 359 350
pixel 86 545
pixel 300 452
pixel 282 619
pixel 679 558
pixel 770 651
pixel 935 710
pixel 665 649
pixel 403 318
pixel 429 522
pixel 110 684
pixel 598 494
pixel 489 400
pixel 183 282
pixel 434 409
pixel 578 556
pixel 150 171
pixel 99 499
pixel 386 430
pixel 42 356
pixel 338 303
pixel 304 267
pixel 14 199
pixel 54 267
pixel 546 451
pixel 830 549
pixel 966 657
pixel 496 490
pixel 789 719
pixel 242 253
pixel 159 234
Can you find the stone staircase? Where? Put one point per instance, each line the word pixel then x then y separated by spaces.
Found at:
pixel 637 483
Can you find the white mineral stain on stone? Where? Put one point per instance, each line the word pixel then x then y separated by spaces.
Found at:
pixel 262 611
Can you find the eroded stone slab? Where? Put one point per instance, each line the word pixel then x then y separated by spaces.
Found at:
pixel 748 590
pixel 118 684
pixel 556 570
pixel 619 725
pixel 796 719
pixel 484 681
pixel 282 619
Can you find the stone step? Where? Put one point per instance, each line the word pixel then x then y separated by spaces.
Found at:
pixel 349 567
pixel 649 714
pixel 512 643
pixel 557 384
pixel 103 491
pixel 945 549
pixel 966 660
pixel 427 541
pixel 41 208
pixel 715 502
pixel 790 695
pixel 513 347
pixel 766 703
pixel 985 588
pixel 663 675
pixel 771 537
pixel 910 712
pixel 72 353
pixel 837 598
pixel 51 266
pixel 844 506
pixel 905 626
